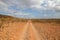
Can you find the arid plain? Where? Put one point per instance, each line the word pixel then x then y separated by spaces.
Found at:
pixel 12 28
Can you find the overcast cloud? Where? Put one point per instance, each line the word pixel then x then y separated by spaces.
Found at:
pixel 31 8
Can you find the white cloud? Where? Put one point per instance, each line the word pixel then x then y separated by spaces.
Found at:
pixel 23 15
pixel 46 3
pixel 57 7
pixel 51 3
pixel 36 3
pixel 33 4
pixel 2 5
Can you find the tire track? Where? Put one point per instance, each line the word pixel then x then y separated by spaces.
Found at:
pixel 30 33
pixel 23 33
pixel 38 37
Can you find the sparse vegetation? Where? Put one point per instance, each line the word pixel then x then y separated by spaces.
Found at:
pixel 10 28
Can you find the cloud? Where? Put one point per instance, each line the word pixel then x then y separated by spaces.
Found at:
pixel 31 3
pixel 2 5
pixel 23 15
pixel 16 7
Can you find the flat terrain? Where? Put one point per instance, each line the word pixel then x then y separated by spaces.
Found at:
pixel 21 29
pixel 48 31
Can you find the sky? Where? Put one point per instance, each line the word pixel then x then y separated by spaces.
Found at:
pixel 31 8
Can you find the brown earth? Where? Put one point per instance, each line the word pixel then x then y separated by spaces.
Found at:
pixel 21 29
pixel 48 31
pixel 10 27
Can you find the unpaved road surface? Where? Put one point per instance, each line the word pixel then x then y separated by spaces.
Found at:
pixel 30 31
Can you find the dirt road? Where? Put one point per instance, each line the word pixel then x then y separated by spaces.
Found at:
pixel 29 33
